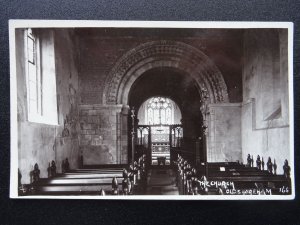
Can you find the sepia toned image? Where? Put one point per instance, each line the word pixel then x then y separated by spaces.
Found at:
pixel 151 110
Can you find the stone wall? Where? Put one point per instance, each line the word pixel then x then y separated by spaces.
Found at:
pixel 41 143
pixel 100 50
pixel 103 134
pixel 66 59
pixel 265 111
pixel 224 133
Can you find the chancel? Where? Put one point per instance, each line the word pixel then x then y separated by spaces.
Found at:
pixel 152 111
pixel 160 130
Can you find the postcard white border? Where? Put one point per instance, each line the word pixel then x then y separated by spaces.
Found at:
pixel 13 24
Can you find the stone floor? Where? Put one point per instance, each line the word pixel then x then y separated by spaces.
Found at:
pixel 161 181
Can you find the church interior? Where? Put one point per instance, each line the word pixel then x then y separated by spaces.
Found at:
pixel 153 111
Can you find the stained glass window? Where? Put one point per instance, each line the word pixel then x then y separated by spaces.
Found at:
pixel 159 111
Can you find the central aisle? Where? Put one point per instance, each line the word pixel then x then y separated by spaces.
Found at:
pixel 161 182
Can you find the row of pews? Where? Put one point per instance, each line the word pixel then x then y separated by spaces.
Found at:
pixel 232 178
pixel 115 180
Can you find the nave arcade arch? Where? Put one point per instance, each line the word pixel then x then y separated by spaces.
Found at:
pixel 165 55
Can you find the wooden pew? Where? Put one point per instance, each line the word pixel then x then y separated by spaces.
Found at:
pixel 90 175
pixel 244 178
pixel 79 182
pixel 87 181
pixel 74 189
pixel 76 181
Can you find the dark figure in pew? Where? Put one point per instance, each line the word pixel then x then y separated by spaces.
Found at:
pixel 53 169
pixel 135 172
pixel 22 189
pixel 270 166
pixel 126 185
pixel 248 160
pixel 262 163
pixel 188 173
pixel 286 169
pixel 258 162
pixel 131 176
pixel 125 173
pixel 19 179
pixel 195 186
pixel 49 171
pixel 67 165
pixel 81 162
pixel 275 167
pixel 115 185
pixel 35 174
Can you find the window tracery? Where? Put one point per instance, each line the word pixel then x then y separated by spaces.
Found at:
pixel 159 111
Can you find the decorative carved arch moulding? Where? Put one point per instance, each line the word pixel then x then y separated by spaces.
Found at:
pixel 156 54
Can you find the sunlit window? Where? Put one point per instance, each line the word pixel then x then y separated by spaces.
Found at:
pixel 33 78
pixel 40 79
pixel 159 110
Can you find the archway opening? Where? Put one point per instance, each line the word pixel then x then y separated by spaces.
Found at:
pixel 155 87
pixel 159 129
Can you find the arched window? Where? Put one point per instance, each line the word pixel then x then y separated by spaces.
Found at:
pixel 159 111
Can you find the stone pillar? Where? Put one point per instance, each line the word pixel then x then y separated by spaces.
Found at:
pixel 119 137
pixel 124 135
pixel 197 147
pixel 210 137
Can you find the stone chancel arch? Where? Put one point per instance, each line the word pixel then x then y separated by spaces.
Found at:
pixel 169 54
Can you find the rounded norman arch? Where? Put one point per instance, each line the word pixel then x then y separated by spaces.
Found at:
pixel 157 54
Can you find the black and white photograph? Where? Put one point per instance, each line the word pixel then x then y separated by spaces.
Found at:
pixel 151 110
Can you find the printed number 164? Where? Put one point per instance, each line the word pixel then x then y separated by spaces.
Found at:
pixel 284 190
